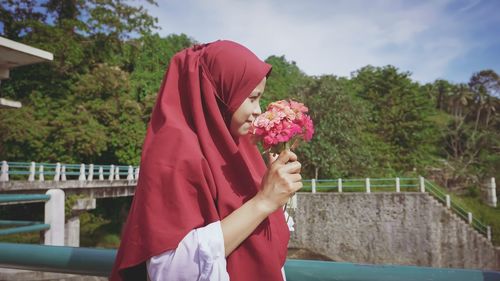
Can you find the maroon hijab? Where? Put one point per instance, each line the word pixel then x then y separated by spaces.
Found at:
pixel 193 172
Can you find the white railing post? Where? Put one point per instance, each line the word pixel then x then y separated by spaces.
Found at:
pixel 422 184
pixel 90 177
pixel 398 186
pixel 488 232
pixel 130 174
pixel 448 201
pixel 82 173
pixel 101 173
pixel 469 217
pixel 57 174
pixel 367 185
pixel 111 172
pixel 63 173
pixel 137 173
pixel 292 203
pixel 117 172
pixel 54 216
pixel 339 183
pixel 31 177
pixel 313 185
pixel 40 173
pixel 492 193
pixel 5 171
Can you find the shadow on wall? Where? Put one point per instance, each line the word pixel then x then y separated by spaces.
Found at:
pixel 305 254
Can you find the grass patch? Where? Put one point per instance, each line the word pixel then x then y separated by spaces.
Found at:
pixel 25 238
pixel 484 213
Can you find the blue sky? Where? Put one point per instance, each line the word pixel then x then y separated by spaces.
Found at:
pixel 431 39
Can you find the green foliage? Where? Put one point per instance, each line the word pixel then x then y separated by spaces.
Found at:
pixel 69 202
pixel 149 65
pixel 482 212
pixel 93 102
pixel 284 79
pixel 91 228
pixel 339 118
pixel 400 114
pixel 104 223
pixel 469 142
pixel 109 241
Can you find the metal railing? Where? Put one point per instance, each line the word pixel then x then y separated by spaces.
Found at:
pixel 458 209
pixel 361 185
pixel 82 172
pixel 419 184
pixel 22 226
pixel 99 262
pixel 32 171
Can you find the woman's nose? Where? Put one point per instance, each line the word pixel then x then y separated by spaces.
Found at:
pixel 257 111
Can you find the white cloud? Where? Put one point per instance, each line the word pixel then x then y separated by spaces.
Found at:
pixel 330 37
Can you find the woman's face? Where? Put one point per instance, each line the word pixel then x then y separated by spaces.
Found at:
pixel 243 117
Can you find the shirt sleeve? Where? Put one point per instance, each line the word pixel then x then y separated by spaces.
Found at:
pixel 199 256
pixel 289 221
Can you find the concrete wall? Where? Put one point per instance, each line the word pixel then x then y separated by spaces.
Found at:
pixel 389 228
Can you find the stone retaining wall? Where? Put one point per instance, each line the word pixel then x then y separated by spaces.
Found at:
pixel 389 228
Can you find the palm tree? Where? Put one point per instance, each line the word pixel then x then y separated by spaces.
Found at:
pixel 491 105
pixel 462 95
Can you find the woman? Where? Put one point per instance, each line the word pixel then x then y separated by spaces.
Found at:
pixel 206 206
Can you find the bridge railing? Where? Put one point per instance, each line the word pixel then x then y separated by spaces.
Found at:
pixel 32 171
pixel 20 226
pixel 53 225
pixel 419 184
pixel 99 262
pixel 82 172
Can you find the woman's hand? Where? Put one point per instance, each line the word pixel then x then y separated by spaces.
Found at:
pixel 280 182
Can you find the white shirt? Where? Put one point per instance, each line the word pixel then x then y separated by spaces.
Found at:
pixel 199 256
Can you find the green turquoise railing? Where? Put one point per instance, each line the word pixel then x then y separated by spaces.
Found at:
pixel 23 197
pixel 98 262
pixel 32 171
pixel 84 172
pixel 22 226
pixel 458 209
pixel 396 185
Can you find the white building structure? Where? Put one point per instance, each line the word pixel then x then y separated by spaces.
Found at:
pixel 15 54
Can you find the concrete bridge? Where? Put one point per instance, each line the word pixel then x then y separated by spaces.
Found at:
pixel 60 181
pixel 92 181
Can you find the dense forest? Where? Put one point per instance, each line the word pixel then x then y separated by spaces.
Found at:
pixel 93 102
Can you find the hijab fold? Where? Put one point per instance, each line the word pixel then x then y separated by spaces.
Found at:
pixel 194 172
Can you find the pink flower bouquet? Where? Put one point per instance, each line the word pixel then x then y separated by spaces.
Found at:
pixel 283 125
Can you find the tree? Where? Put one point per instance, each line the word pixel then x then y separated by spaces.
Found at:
pixel 284 79
pixel 486 88
pixel 337 148
pixel 79 107
pixel 400 114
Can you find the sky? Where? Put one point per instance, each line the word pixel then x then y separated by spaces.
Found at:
pixel 437 39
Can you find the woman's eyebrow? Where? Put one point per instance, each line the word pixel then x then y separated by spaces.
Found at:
pixel 256 94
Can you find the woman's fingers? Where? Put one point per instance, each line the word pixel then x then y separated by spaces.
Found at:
pixel 271 158
pixel 286 156
pixel 296 186
pixel 295 177
pixel 292 167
